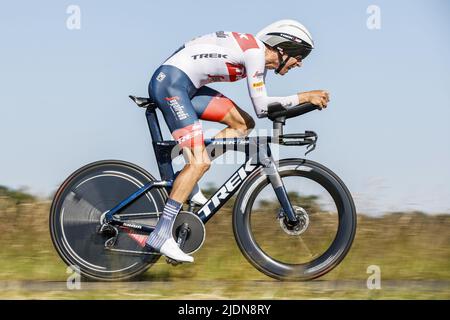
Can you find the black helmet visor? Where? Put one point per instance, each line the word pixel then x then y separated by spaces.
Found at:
pixel 295 49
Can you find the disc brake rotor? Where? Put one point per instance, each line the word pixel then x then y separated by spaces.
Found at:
pixel 301 227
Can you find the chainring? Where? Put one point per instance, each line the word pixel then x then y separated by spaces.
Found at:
pixel 196 231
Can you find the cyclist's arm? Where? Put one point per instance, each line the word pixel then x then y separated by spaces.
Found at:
pixel 255 67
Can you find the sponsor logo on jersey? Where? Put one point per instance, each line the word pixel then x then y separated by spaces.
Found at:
pixel 258 74
pixel 209 55
pixel 160 77
pixel 258 84
pixel 245 41
pixel 215 78
pixel 177 108
pixel 187 134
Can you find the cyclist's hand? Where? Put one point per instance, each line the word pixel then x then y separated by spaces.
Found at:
pixel 318 97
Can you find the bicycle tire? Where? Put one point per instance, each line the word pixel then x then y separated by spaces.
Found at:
pixel 320 265
pixel 75 217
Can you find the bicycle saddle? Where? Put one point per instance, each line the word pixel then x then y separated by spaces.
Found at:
pixel 143 102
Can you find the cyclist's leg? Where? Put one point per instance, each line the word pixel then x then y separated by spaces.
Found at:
pixel 198 163
pixel 239 124
pixel 172 94
pixel 211 105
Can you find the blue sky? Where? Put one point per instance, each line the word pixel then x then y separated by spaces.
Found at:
pixel 64 93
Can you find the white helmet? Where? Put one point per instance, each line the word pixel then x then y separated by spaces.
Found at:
pixel 289 35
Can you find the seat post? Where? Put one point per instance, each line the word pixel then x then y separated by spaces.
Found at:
pixel 162 150
pixel 153 124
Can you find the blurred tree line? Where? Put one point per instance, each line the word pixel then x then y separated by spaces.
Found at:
pixel 18 196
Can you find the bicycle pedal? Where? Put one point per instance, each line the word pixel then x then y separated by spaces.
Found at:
pixel 173 262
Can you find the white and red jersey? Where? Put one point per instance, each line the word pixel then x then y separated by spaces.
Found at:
pixel 227 57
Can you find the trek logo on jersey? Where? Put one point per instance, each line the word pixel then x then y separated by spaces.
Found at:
pixel 258 84
pixel 209 55
pixel 258 74
pixel 176 107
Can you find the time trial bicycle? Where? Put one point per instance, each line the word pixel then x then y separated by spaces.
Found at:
pixel 293 219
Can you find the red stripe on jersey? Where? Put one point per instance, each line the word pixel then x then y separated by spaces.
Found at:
pixel 172 98
pixel 245 40
pixel 217 108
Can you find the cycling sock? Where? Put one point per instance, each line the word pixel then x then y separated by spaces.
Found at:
pixel 163 230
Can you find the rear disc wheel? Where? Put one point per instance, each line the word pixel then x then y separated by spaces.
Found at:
pixel 77 211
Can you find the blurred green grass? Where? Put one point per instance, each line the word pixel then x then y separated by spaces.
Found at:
pixel 406 246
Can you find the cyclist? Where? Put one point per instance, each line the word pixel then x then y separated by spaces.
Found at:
pixel 179 88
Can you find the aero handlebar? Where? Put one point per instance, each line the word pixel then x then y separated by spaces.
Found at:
pixel 276 110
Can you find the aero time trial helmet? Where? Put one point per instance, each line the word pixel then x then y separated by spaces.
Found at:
pixel 290 36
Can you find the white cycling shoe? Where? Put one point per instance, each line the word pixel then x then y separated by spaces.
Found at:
pixel 171 250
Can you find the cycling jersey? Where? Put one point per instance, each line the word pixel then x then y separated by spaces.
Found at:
pixel 228 56
pixel 182 104
pixel 178 86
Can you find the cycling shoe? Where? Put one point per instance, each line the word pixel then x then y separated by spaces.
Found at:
pixel 171 250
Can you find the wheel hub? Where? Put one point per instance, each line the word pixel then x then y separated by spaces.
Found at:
pixel 299 228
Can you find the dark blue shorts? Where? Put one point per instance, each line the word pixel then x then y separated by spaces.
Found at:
pixel 183 105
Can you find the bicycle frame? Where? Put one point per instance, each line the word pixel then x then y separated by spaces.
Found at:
pixel 257 155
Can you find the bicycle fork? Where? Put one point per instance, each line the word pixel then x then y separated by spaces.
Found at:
pixel 271 171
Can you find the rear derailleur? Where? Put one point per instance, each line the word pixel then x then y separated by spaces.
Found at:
pixel 109 231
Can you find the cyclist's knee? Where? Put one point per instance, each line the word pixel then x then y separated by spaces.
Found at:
pixel 250 123
pixel 246 125
pixel 204 166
